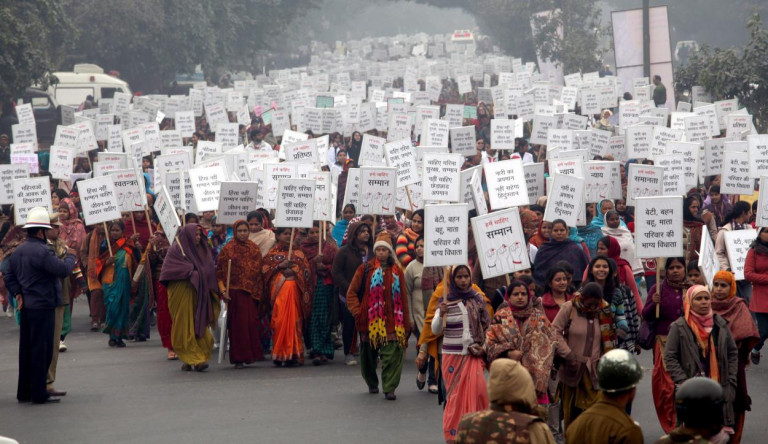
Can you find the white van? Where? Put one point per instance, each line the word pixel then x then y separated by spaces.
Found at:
pixel 86 80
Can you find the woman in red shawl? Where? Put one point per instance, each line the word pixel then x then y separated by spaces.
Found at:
pixel 608 246
pixel 289 282
pixel 320 341
pixel 245 295
pixel 156 250
pixel 193 301
pixel 744 331
pixel 144 297
pixel 542 234
pixel 142 228
pixel 72 232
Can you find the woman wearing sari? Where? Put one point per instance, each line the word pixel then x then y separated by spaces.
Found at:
pixel 522 332
pixel 585 331
pixel 692 226
pixel 144 296
pixel 744 331
pixel 670 303
pixel 462 318
pixel 193 302
pixel 700 344
pixel 157 249
pixel 115 273
pixel 560 247
pixel 320 261
pixel 245 295
pixel 288 281
pixel 72 232
pixel 405 248
pixel 259 235
pixel 378 301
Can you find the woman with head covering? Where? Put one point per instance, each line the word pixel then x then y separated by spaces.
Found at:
pixel 462 318
pixel 621 233
pixel 756 272
pixel 609 246
pixel 220 235
pixel 542 235
pixel 692 226
pixel 115 273
pixel 405 248
pixel 138 227
pixel 193 299
pixel 700 344
pixel 260 235
pixel 593 232
pixel 560 247
pixel 521 331
pixel 585 330
pixel 245 295
pixel 320 255
pixel 347 214
pixel 289 283
pixel 378 301
pixel 744 331
pixel 156 250
pixel 670 303
pixel 513 412
pixel 355 145
pixel 72 232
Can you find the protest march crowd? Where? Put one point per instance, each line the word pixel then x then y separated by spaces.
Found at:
pixel 539 229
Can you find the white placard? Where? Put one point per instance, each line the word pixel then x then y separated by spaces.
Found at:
pixel 566 199
pixel 674 174
pixel 534 180
pixel 736 246
pixel 401 156
pixel 29 159
pixel 236 200
pixel 61 162
pixel 185 123
pixel 478 195
pixel 506 184
pixel 758 154
pixel 736 177
pixel 272 173
pixel 463 140
pixel 434 132
pixel 761 219
pixel 207 149
pixel 659 226
pixel 99 200
pixel 24 134
pixel 638 141
pixel 714 150
pixel 560 139
pixel 302 152
pixel 325 203
pixel 352 190
pixel 567 166
pixel 500 241
pixel 166 213
pixel 541 127
pixel 378 188
pixel 441 177
pixel 709 265
pixel 690 153
pixel 466 186
pixel 29 193
pixel 206 185
pixel 7 175
pixel 445 235
pixel 600 182
pixel 129 189
pixel 503 134
pixel 372 151
pixel 644 181
pixel 295 203
pixel 662 136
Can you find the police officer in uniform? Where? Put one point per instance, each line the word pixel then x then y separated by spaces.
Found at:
pixel 699 405
pixel 34 278
pixel 607 421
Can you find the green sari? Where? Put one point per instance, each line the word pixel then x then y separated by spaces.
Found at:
pixel 117 297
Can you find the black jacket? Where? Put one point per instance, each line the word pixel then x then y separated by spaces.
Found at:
pixel 35 272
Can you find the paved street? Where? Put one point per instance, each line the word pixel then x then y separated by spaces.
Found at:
pixel 134 395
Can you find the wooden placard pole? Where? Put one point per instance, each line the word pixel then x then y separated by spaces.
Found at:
pixel 109 241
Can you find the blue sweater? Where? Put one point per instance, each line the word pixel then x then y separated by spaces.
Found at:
pixel 35 272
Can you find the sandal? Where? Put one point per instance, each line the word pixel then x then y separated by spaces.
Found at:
pixel 172 356
pixel 421 380
pixel 432 388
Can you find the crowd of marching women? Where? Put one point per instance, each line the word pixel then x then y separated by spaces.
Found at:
pixel 358 291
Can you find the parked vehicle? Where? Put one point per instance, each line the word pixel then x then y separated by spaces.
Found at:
pixel 86 80
pixel 46 111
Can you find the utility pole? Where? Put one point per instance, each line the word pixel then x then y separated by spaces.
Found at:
pixel 646 39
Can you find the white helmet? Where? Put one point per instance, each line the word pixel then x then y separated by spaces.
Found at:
pixel 38 217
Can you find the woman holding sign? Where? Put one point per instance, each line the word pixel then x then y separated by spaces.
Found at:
pixel 670 307
pixel 288 279
pixel 239 267
pixel 320 255
pixel 115 273
pixel 72 232
pixel 190 276
pixel 692 227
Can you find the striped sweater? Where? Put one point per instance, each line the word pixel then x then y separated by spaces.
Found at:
pixel 457 336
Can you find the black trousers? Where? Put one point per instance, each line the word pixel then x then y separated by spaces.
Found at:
pixel 35 353
pixel 348 328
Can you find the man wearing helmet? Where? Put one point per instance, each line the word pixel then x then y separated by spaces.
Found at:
pixel 34 277
pixel 699 405
pixel 607 421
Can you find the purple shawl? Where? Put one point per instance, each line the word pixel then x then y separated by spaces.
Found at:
pixel 553 251
pixel 195 264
